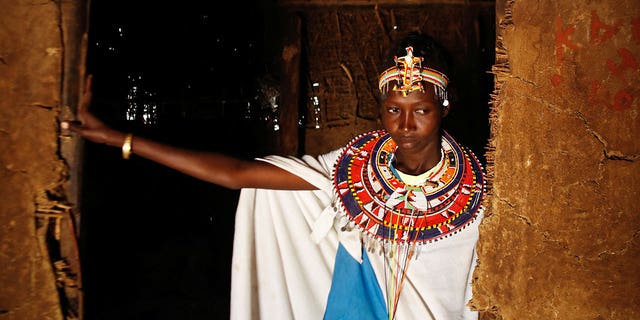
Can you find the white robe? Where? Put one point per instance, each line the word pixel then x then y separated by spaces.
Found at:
pixel 285 245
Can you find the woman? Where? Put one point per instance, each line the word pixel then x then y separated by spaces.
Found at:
pixel 382 228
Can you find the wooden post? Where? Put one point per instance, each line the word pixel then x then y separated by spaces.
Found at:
pixel 289 136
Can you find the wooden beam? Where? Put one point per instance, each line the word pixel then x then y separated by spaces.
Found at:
pixel 370 3
pixel 289 135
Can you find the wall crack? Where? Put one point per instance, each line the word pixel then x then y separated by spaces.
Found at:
pixel 545 103
pixel 524 80
pixel 623 250
pixel 41 105
pixel 505 201
pixel 608 154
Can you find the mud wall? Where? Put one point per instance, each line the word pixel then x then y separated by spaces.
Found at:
pixel 39 61
pixel 561 240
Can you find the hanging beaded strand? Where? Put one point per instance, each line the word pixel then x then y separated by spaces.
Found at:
pixel 396 266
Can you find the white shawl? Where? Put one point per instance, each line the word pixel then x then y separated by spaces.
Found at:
pixel 281 271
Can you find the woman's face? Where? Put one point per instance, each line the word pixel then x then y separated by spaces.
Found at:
pixel 413 121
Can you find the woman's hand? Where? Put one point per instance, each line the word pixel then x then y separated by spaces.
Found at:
pixel 90 127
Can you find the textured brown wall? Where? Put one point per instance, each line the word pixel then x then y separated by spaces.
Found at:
pixel 561 241
pixel 34 212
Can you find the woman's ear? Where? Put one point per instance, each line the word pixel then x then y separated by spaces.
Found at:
pixel 445 109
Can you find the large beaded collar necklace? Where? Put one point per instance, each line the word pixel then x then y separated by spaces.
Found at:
pixel 385 208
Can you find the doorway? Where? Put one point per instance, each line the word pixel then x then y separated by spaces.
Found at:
pixel 157 244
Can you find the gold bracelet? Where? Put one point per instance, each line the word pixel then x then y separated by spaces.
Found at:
pixel 126 146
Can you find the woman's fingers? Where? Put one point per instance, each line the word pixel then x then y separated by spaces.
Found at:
pixel 64 125
pixel 89 126
pixel 87 95
pixel 74 126
pixel 89 121
pixel 89 83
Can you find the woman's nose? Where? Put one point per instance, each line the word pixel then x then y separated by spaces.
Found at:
pixel 407 122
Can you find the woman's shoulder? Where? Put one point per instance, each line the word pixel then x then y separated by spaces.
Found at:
pixel 331 157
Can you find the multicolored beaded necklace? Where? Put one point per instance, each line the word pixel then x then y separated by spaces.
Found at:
pixel 396 215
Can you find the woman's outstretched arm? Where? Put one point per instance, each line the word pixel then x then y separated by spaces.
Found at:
pixel 216 168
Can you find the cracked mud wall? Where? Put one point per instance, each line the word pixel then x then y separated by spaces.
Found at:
pixel 38 58
pixel 561 239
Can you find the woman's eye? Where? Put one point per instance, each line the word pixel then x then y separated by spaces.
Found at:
pixel 421 111
pixel 393 110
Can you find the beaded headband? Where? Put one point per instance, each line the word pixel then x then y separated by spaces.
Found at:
pixel 408 75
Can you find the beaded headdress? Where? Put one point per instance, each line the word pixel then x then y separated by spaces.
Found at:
pixel 408 75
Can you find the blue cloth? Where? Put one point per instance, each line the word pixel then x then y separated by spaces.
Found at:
pixel 355 293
